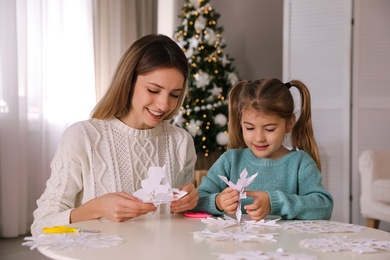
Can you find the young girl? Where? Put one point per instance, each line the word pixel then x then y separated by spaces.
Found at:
pixel 289 182
pixel 100 162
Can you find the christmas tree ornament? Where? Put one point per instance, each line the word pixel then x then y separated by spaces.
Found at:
pixel 222 138
pixel 220 120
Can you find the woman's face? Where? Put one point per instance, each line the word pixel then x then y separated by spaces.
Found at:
pixel 156 94
pixel 264 133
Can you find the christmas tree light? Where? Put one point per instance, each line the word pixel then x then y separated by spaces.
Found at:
pixel 205 110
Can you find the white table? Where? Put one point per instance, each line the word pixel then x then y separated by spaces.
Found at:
pixel 170 237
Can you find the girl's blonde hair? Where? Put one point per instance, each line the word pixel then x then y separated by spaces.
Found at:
pixel 272 96
pixel 148 53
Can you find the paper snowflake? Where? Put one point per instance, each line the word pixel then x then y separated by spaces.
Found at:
pixel 240 186
pixel 259 255
pixel 226 222
pixel 155 191
pixel 220 223
pixel 320 226
pixel 237 237
pixel 262 223
pixel 344 243
pixel 71 241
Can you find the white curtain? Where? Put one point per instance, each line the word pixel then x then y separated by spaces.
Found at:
pixel 47 82
pixel 118 23
pixel 56 61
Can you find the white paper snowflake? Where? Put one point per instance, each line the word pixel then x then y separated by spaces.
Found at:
pixel 157 191
pixel 259 255
pixel 219 223
pixel 226 222
pixel 240 186
pixel 344 243
pixel 71 241
pixel 262 223
pixel 237 237
pixel 320 226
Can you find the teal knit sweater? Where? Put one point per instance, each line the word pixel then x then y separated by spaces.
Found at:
pixel 293 182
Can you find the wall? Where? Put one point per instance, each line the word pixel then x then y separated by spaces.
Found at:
pixel 255 42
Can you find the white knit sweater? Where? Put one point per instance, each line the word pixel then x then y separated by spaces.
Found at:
pixel 95 157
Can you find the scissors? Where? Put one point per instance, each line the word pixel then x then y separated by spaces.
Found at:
pixel 66 229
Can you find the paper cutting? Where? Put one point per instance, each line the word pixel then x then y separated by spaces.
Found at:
pixel 71 241
pixel 343 243
pixel 237 237
pixel 257 255
pixel 240 186
pixel 320 226
pixel 262 223
pixel 156 189
pixel 226 222
pixel 220 223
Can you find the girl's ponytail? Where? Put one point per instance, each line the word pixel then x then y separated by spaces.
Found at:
pixel 302 135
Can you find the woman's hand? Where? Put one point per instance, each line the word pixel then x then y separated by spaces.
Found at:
pixel 227 200
pixel 118 206
pixel 187 202
pixel 261 207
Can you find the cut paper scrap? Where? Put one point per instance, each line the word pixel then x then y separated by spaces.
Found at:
pixel 219 222
pixel 320 226
pixel 344 243
pixel 262 223
pixel 237 237
pixel 259 255
pixel 156 188
pixel 71 241
pixel 240 186
pixel 226 222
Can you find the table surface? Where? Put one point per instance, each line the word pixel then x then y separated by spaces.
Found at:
pixel 170 237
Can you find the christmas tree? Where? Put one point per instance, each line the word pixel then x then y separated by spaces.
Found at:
pixel 205 110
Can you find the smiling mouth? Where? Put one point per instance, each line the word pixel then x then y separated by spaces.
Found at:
pixel 261 147
pixel 155 113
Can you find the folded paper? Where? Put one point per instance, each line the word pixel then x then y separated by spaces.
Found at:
pixel 156 188
pixel 237 237
pixel 240 186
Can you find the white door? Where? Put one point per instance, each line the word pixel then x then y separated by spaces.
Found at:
pixel 317 51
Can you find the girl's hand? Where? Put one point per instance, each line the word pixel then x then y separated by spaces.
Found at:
pixel 118 206
pixel 227 200
pixel 187 202
pixel 261 207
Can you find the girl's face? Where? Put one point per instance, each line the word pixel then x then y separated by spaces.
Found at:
pixel 264 133
pixel 156 94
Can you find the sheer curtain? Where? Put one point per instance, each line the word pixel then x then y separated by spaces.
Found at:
pixel 117 24
pixel 47 82
pixel 56 61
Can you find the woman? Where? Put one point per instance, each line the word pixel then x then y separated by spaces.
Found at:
pixel 100 162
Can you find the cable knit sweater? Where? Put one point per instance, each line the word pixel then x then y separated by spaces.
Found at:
pixel 293 182
pixel 96 157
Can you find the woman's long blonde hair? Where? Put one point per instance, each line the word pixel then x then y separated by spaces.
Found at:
pixel 148 53
pixel 272 96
